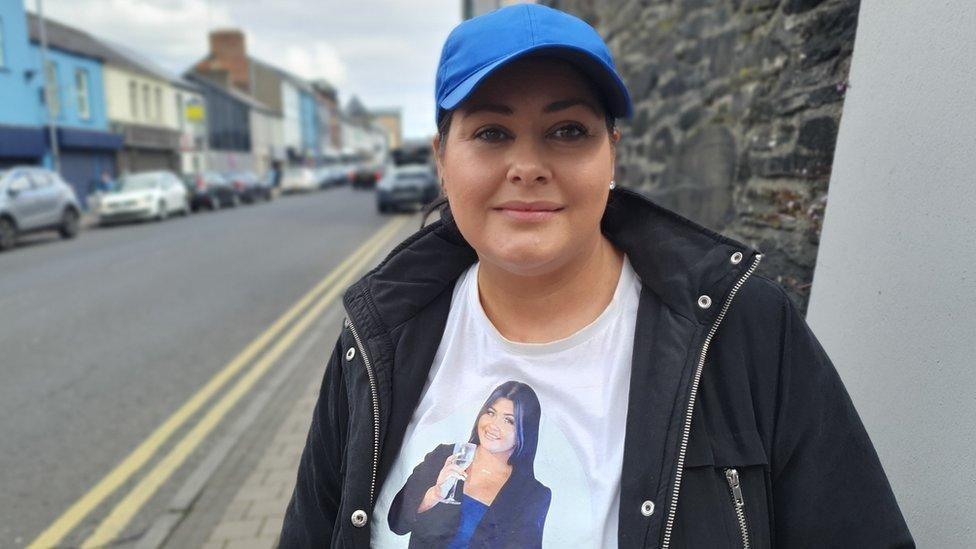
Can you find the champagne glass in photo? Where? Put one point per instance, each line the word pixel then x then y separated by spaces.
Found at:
pixel 464 452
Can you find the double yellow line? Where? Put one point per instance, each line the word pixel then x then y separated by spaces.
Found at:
pixel 322 295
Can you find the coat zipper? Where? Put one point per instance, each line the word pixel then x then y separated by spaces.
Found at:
pixel 732 476
pixel 374 393
pixel 691 405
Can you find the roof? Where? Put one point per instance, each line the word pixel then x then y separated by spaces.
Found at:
pixel 66 38
pixel 70 39
pixel 295 80
pixel 355 108
pixel 232 92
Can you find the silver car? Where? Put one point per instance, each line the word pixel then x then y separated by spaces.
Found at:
pixel 35 199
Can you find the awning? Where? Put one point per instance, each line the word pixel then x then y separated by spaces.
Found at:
pixel 21 142
pixel 75 138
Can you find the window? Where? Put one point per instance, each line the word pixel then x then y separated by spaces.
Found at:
pixel 133 99
pixel 180 117
pixel 159 104
pixel 81 91
pixel 3 56
pixel 52 94
pixel 41 179
pixel 145 101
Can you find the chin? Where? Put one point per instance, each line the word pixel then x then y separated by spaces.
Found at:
pixel 525 254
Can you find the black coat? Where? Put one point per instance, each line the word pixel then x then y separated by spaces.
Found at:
pixel 727 380
pixel 514 520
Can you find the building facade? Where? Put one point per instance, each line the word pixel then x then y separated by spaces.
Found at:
pixel 69 92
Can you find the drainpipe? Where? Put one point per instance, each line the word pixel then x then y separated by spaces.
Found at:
pixel 52 120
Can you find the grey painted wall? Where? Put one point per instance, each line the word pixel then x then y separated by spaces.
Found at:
pixel 894 291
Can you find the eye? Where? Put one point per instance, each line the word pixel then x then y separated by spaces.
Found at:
pixel 491 413
pixel 491 135
pixel 510 421
pixel 571 131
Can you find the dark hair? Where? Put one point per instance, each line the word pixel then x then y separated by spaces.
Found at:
pixel 527 413
pixel 444 124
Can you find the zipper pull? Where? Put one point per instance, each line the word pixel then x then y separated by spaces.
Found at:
pixel 732 476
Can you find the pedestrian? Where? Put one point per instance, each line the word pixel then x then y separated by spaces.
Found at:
pixel 682 399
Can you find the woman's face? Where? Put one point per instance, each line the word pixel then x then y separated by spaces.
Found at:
pixel 527 166
pixel 496 427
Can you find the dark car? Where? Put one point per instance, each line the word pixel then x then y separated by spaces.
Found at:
pixel 249 186
pixel 414 184
pixel 211 190
pixel 365 176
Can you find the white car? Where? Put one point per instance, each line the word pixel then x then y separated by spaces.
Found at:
pixel 299 180
pixel 144 195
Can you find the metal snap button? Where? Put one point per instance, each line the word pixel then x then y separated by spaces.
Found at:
pixel 358 518
pixel 350 353
pixel 704 302
pixel 736 258
pixel 647 508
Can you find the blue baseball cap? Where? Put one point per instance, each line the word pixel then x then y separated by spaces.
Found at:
pixel 478 46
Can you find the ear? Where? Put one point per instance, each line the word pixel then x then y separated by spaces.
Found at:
pixel 435 152
pixel 613 152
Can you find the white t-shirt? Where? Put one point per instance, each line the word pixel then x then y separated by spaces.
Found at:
pixel 580 385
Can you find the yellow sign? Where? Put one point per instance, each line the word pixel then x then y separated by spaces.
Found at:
pixel 194 113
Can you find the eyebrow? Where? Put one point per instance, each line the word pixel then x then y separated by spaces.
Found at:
pixel 555 106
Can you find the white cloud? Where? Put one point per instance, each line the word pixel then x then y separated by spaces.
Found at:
pixel 383 51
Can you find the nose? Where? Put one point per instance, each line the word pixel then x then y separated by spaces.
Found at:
pixel 527 164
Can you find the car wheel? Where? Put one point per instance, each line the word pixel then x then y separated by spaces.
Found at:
pixel 8 234
pixel 69 224
pixel 161 212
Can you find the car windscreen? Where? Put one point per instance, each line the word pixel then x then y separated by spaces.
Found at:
pixel 412 176
pixel 139 182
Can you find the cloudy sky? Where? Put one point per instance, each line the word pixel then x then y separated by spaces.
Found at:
pixel 383 51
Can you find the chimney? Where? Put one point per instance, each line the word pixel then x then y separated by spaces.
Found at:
pixel 228 53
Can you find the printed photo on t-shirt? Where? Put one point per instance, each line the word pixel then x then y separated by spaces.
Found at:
pixel 480 479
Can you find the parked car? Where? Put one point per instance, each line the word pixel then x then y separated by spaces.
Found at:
pixel 413 184
pixel 249 186
pixel 35 199
pixel 298 180
pixel 210 190
pixel 365 176
pixel 144 195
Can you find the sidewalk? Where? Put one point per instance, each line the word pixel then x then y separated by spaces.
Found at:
pixel 253 517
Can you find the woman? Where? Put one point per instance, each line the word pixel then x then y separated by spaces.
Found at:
pixel 714 417
pixel 502 504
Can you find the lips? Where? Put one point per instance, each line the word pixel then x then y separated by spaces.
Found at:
pixel 529 211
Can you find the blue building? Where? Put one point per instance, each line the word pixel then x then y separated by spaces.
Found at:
pixel 22 140
pixel 309 118
pixel 76 97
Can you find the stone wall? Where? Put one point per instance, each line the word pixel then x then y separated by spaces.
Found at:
pixel 736 110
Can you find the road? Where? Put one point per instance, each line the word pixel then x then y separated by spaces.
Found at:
pixel 102 338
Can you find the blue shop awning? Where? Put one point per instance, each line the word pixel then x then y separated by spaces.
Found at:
pixel 21 142
pixel 75 138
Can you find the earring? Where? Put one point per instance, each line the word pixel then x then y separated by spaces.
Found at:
pixel 612 185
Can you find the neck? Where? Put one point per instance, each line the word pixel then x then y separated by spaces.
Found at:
pixel 494 462
pixel 553 305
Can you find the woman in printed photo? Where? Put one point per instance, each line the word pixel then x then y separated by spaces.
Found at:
pixel 501 502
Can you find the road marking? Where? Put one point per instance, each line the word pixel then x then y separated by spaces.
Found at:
pixel 141 454
pixel 124 510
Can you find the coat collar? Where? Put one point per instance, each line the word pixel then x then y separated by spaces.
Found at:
pixel 676 258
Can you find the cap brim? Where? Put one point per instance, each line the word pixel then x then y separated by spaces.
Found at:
pixel 596 69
